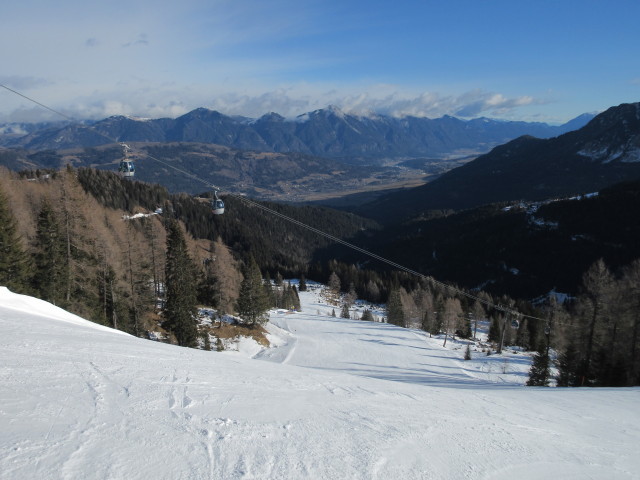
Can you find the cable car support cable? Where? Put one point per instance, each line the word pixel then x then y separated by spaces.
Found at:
pixel 503 308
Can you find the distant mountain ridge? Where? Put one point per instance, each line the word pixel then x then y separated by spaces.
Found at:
pixel 603 152
pixel 327 133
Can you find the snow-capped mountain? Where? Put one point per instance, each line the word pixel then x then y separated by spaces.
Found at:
pixel 327 132
pixel 603 152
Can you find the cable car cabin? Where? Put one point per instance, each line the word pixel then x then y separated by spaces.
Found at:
pixel 217 206
pixel 127 168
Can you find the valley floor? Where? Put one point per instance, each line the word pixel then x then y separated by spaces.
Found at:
pixel 335 399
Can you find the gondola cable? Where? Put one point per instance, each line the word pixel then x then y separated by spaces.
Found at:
pixel 499 307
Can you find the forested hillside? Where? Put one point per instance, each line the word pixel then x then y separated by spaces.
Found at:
pixel 97 245
pixel 525 249
pixel 82 256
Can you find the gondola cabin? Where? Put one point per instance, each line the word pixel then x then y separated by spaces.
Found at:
pixel 217 205
pixel 127 168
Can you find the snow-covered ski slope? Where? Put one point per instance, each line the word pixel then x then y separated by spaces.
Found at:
pixel 338 399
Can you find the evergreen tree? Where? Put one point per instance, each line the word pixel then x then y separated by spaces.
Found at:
pixel 273 295
pixel 438 319
pixel 297 299
pixel 522 335
pixel 180 274
pixel 568 367
pixel 303 284
pixel 252 302
pixel 344 313
pixel 540 372
pixel 467 330
pixel 52 268
pixel 494 329
pixel 395 312
pixel 14 263
pixel 467 352
pixel 207 341
pixel 428 322
pixel 367 315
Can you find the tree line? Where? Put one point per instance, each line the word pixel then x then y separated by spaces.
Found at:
pixel 63 239
pixel 129 272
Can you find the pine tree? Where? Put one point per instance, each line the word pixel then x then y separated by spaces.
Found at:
pixel 52 268
pixel 180 273
pixel 303 284
pixel 540 372
pixel 252 302
pixel 344 313
pixel 494 329
pixel 272 293
pixel 367 315
pixel 522 335
pixel 467 352
pixel 568 367
pixel 14 262
pixel 395 312
pixel 295 298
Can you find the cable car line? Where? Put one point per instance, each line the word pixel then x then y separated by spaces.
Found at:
pixel 499 307
pixel 41 104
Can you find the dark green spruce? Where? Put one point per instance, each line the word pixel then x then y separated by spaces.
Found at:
pixel 181 288
pixel 14 262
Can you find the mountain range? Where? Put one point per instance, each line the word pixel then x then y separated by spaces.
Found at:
pixel 603 152
pixel 327 132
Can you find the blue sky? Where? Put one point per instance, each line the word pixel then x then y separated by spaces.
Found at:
pixel 516 60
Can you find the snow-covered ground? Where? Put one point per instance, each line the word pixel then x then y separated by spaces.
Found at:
pixel 336 399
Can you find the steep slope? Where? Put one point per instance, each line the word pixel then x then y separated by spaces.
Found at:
pixel 604 152
pixel 78 402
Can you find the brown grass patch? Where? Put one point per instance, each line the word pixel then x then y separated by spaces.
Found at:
pixel 228 331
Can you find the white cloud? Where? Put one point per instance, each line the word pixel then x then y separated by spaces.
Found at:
pixel 18 82
pixel 144 98
pixel 478 103
pixel 141 39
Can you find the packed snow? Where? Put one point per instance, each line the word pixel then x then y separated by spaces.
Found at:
pixel 332 399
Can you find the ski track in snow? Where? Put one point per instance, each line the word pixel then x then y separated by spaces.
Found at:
pixel 336 399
